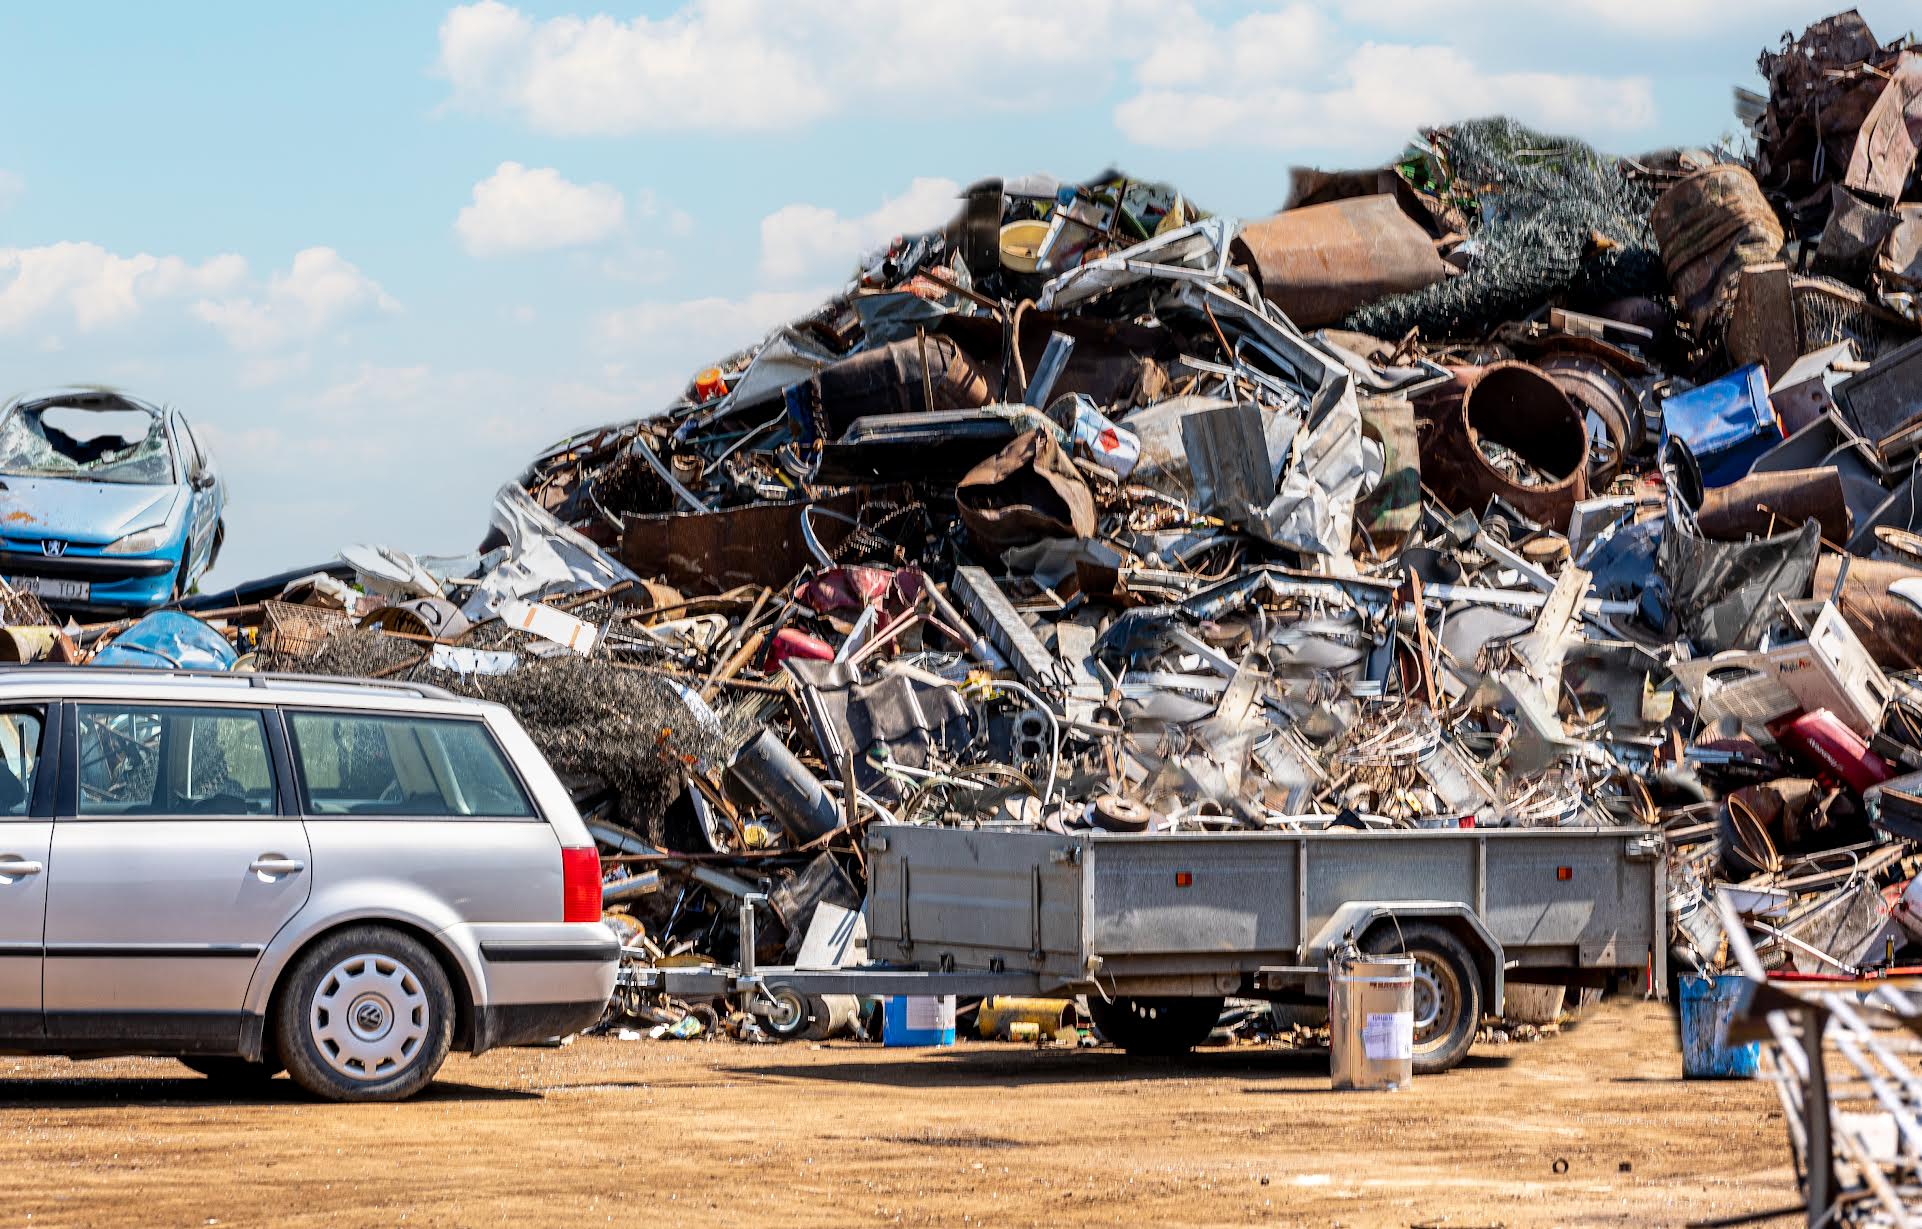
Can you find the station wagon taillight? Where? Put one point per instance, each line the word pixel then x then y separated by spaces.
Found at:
pixel 580 885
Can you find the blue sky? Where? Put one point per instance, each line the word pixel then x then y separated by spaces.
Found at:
pixel 382 253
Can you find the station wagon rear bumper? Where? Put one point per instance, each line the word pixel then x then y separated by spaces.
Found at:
pixel 513 1024
pixel 540 981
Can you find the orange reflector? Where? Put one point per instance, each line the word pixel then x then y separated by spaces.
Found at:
pixel 1184 879
pixel 1564 873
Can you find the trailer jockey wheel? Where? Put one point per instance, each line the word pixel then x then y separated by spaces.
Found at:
pixel 1448 990
pixel 1154 1027
pixel 786 1012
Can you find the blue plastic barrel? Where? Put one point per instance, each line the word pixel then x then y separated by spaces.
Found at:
pixel 915 1020
pixel 1707 1003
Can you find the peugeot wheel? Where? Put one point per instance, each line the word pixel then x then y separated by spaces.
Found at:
pixel 367 1015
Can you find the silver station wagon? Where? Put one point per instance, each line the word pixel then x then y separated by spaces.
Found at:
pixel 258 872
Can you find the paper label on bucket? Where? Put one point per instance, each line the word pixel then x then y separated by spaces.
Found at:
pixel 933 1012
pixel 1389 1035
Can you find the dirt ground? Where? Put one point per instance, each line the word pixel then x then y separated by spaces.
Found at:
pixel 694 1134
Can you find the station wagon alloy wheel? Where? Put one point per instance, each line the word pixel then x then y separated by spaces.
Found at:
pixel 369 1016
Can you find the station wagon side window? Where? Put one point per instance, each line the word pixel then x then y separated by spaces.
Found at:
pixel 21 730
pixel 361 764
pixel 139 760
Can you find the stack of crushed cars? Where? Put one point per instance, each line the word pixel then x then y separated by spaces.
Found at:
pixel 1509 484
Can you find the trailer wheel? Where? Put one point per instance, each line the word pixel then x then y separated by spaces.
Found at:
pixel 1448 991
pixel 1154 1027
pixel 787 1014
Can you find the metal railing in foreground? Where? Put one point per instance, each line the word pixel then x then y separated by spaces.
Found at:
pixel 1842 1054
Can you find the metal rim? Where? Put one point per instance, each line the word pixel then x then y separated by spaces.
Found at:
pixel 1437 995
pixel 787 1011
pixel 369 1017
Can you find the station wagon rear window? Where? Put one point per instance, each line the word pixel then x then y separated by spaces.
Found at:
pixel 354 764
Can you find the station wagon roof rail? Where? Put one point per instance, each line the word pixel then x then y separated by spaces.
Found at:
pixel 274 679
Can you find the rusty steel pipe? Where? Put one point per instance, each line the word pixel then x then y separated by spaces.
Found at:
pixel 1763 505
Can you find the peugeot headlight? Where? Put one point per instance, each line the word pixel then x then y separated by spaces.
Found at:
pixel 143 542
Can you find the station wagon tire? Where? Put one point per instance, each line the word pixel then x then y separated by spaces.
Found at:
pixel 1154 1027
pixel 230 1072
pixel 1448 991
pixel 366 1015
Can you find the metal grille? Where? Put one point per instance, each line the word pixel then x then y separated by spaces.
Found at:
pixel 294 632
pixel 1539 204
pixel 22 609
pixel 1830 311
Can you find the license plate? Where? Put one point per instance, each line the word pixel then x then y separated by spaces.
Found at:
pixel 56 590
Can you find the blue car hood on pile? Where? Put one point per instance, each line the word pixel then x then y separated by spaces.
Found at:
pixel 75 510
pixel 167 639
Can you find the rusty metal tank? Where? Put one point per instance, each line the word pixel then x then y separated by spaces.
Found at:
pixel 1506 429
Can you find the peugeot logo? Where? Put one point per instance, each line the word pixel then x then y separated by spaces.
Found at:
pixel 53 548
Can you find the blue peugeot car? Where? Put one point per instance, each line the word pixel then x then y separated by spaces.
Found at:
pixel 107 503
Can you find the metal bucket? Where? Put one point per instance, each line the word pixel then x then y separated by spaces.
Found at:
pixel 1371 1024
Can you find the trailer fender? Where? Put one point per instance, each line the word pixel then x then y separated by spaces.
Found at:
pixel 1354 920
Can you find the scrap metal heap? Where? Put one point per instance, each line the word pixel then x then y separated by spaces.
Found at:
pixel 1509 484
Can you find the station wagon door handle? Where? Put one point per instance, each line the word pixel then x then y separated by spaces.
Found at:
pixel 271 864
pixel 19 868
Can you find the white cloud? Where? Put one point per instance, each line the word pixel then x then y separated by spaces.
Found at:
pixel 677 222
pixel 1672 19
pixel 668 340
pixel 521 209
pixel 86 285
pixel 319 291
pixel 743 65
pixel 706 328
pixel 1292 74
pixel 1288 41
pixel 1376 97
pixel 807 241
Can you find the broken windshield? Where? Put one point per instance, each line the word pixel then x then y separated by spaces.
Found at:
pixel 104 445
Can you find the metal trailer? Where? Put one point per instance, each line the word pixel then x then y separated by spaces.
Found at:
pixel 1156 929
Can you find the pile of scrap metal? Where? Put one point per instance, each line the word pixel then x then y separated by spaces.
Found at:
pixel 1509 484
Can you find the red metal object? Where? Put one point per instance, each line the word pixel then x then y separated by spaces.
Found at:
pixel 793 642
pixel 851 588
pixel 1838 752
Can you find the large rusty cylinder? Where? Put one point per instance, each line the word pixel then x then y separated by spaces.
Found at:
pixel 1506 416
pixel 1711 225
